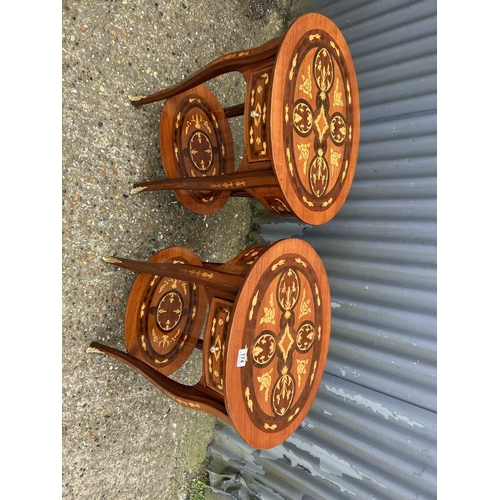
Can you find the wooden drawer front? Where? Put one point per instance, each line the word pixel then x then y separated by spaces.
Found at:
pixel 215 343
pixel 257 118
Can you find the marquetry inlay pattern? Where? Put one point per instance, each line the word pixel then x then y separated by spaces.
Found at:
pixel 196 141
pixel 318 120
pixel 169 310
pixel 216 336
pixel 258 118
pixel 165 318
pixel 278 205
pixel 284 342
pixel 242 263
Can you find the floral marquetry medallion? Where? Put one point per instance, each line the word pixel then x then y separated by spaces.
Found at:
pixel 284 312
pixel 164 317
pixel 196 141
pixel 316 118
pixel 286 334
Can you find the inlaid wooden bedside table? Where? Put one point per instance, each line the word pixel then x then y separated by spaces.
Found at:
pixel 301 127
pixel 266 338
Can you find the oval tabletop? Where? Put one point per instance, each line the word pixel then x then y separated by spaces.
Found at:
pixel 164 316
pixel 278 345
pixel 196 141
pixel 315 120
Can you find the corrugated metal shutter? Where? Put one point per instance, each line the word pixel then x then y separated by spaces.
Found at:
pixel 371 432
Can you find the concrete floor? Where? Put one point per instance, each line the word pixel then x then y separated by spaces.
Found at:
pixel 121 438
